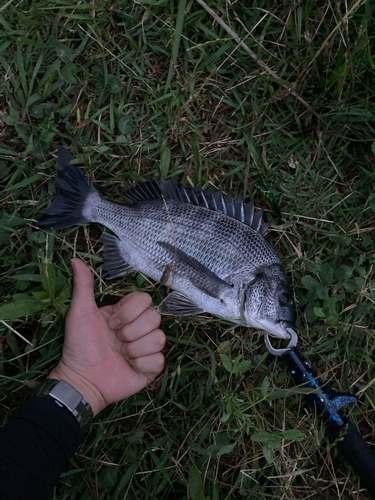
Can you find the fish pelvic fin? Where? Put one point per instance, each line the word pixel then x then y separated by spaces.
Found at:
pixel 113 260
pixel 198 274
pixel 170 191
pixel 177 304
pixel 73 189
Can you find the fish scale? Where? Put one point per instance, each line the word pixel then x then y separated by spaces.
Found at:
pixel 208 248
pixel 216 244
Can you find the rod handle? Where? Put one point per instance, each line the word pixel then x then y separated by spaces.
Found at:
pixel 354 448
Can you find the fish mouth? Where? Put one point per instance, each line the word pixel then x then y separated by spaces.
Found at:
pixel 276 328
pixel 286 324
pixel 283 326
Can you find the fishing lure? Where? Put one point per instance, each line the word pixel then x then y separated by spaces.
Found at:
pixel 270 201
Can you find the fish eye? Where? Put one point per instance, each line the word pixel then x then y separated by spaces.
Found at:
pixel 284 299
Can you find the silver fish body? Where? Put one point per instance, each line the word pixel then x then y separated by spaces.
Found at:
pixel 214 262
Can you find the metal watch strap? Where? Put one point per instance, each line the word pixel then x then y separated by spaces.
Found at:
pixel 65 395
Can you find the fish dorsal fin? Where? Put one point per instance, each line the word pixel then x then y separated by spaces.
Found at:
pixel 144 191
pixel 227 205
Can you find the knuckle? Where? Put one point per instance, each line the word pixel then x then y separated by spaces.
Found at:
pixel 143 297
pixel 123 334
pixel 128 349
pixel 155 317
pixel 120 335
pixel 160 338
pixel 159 361
pixel 124 300
pixel 125 350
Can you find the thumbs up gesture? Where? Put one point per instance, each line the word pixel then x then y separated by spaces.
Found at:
pixel 110 352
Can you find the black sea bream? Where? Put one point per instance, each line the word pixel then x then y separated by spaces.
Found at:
pixel 208 248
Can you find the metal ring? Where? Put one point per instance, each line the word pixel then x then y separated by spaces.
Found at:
pixel 279 352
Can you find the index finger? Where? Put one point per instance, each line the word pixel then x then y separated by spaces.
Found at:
pixel 129 308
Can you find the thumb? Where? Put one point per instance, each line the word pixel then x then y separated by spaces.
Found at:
pixel 83 292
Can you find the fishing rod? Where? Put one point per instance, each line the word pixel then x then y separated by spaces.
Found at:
pixel 329 404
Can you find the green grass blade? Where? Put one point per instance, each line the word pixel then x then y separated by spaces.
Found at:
pixel 176 41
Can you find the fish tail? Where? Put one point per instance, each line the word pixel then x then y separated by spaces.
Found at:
pixel 74 191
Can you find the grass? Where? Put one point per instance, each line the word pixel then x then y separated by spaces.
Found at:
pixel 157 89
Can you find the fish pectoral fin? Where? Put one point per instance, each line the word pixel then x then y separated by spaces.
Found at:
pixel 198 274
pixel 113 260
pixel 177 304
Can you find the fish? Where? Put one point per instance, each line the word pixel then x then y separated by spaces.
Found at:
pixel 209 249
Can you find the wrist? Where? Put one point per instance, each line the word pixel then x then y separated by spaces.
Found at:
pixel 80 384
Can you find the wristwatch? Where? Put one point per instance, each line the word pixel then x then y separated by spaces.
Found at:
pixel 65 395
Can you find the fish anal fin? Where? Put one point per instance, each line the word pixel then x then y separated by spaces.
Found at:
pixel 198 274
pixel 114 262
pixel 177 304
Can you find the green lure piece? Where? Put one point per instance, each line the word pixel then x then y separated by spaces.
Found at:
pixel 269 200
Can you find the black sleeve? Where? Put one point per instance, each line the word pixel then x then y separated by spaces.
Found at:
pixel 36 446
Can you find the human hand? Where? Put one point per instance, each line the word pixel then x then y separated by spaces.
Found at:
pixel 111 352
